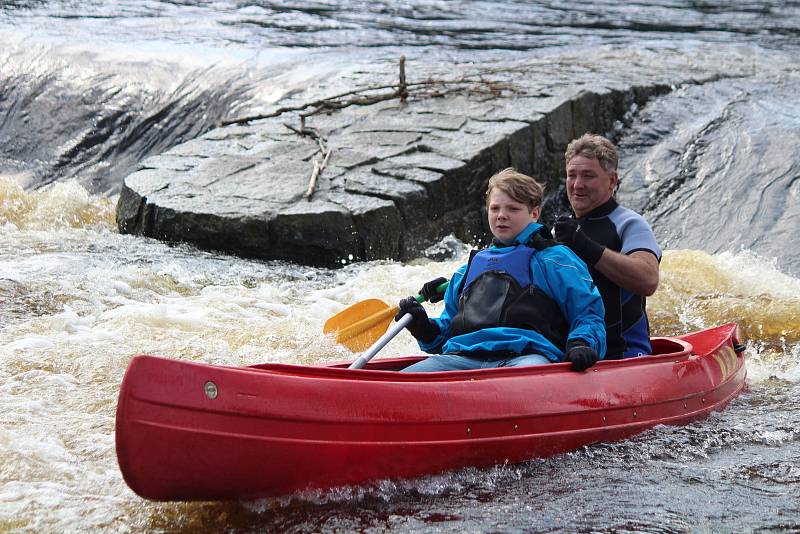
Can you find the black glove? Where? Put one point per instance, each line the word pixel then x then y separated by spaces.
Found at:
pixel 569 232
pixel 420 326
pixel 581 355
pixel 429 290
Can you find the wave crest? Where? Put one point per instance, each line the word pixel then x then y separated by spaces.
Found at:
pixel 61 205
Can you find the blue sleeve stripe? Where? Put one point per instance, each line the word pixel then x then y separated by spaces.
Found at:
pixel 634 232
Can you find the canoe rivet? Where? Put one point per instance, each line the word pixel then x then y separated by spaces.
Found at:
pixel 211 390
pixel 634 413
pixel 516 427
pixel 685 405
pixel 469 430
pixel 704 401
pixel 604 418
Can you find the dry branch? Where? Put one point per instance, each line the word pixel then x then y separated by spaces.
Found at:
pixel 318 166
pixel 431 88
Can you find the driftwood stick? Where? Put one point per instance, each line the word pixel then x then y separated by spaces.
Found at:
pixel 431 89
pixel 402 88
pixel 318 166
pixel 312 182
pixel 302 131
pixel 327 156
pixel 317 170
pixel 468 84
pixel 301 107
pixel 364 101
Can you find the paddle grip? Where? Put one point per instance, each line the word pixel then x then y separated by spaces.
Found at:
pixel 439 289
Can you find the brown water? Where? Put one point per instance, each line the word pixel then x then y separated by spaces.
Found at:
pixel 89 90
pixel 77 300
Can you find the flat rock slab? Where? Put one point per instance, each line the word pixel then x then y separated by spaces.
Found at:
pixel 400 175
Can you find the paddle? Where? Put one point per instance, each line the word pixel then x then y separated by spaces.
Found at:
pixel 362 324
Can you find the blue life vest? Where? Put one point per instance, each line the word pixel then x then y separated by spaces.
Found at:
pixel 498 291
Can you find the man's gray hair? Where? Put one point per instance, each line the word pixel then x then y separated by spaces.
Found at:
pixel 594 146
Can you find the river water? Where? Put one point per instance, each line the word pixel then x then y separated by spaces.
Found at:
pixel 89 89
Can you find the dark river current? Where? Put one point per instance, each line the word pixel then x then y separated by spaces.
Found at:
pixel 88 90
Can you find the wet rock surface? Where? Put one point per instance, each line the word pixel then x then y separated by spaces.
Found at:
pixel 401 175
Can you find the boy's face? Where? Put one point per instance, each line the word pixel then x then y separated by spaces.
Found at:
pixel 507 217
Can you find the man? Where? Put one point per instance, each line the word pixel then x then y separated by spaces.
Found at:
pixel 616 243
pixel 525 300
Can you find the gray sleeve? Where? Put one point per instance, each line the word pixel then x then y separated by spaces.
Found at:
pixel 634 232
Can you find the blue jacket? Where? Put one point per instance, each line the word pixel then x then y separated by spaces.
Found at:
pixel 563 277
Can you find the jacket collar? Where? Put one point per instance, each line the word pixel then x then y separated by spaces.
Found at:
pixel 521 238
pixel 602 210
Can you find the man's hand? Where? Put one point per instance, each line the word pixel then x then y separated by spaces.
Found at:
pixel 581 355
pixel 420 326
pixel 429 290
pixel 569 232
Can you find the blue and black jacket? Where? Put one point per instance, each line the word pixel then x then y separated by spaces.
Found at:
pixel 546 298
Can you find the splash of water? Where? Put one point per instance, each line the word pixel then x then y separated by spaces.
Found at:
pixel 62 205
pixel 80 300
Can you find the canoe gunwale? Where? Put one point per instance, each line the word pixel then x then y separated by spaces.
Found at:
pixel 385 369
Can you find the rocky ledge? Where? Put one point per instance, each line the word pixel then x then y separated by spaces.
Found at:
pixel 392 177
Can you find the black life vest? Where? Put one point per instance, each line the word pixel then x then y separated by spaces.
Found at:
pixel 497 290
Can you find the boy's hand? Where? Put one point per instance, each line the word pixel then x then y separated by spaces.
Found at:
pixel 581 355
pixel 569 232
pixel 420 326
pixel 429 290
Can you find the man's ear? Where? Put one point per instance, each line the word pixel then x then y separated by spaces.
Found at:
pixel 536 213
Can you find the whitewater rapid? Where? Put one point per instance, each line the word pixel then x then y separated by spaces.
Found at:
pixel 78 300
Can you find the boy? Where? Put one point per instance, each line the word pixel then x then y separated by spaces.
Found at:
pixel 523 301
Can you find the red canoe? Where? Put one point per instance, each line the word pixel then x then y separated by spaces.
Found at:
pixel 190 431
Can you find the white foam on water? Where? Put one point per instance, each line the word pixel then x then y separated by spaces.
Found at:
pixel 49 452
pixel 766 364
pixel 760 274
pixel 70 322
pixel 116 296
pixel 48 379
pixel 700 290
pixel 29 343
pixel 171 313
pixel 60 205
pixel 450 482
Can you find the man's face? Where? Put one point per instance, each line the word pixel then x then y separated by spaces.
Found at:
pixel 588 184
pixel 507 217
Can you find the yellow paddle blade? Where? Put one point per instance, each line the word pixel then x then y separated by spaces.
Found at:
pixel 362 324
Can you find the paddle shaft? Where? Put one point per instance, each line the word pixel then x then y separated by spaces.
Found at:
pixel 384 339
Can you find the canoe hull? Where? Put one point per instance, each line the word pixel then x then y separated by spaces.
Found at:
pixel 190 431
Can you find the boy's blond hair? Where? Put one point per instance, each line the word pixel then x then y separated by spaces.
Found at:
pixel 520 187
